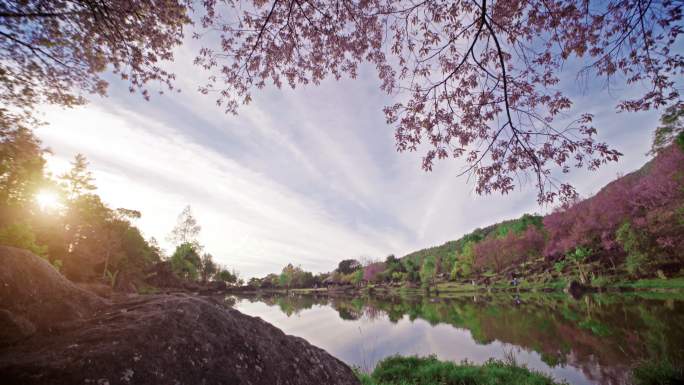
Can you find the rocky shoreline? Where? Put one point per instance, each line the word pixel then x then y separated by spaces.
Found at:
pixel 54 332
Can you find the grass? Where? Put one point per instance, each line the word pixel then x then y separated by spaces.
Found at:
pixel 398 370
pixel 660 372
pixel 657 283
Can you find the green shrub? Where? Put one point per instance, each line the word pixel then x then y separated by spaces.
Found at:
pixel 579 256
pixel 21 235
pixel 680 140
pixel 600 281
pixel 397 370
pixel 632 244
pixel 186 261
pixel 560 265
pixel 658 372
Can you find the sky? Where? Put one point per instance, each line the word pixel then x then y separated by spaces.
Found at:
pixel 307 176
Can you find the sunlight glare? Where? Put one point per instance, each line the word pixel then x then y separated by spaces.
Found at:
pixel 47 200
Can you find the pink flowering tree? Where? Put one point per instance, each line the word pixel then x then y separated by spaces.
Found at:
pixel 651 200
pixel 373 272
pixel 471 79
pixel 476 80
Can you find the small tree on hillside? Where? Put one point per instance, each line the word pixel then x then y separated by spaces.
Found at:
pixel 186 261
pixel 427 272
pixel 348 266
pixel 207 267
pixel 187 229
pixel 78 180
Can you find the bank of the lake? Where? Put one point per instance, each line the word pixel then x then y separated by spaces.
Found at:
pixel 445 289
pixel 596 339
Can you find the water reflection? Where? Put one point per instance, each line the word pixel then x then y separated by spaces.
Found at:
pixel 593 340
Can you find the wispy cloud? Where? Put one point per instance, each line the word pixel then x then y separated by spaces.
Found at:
pixel 307 176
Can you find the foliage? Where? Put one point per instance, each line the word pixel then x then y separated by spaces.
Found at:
pixel 428 271
pixel 84 238
pixel 671 129
pixel 186 262
pixel 227 276
pixel 518 226
pixel 374 272
pixel 658 372
pixel 348 266
pixel 21 168
pixel 648 199
pixel 54 50
pixel 579 257
pixel 21 235
pixel 412 370
pixel 465 261
pixel 633 244
pixel 356 277
pixel 78 180
pixel 295 277
pixel 394 270
pixel 485 77
pixel 412 267
pixel 187 229
pixel 497 253
pixel 560 266
pixel 207 267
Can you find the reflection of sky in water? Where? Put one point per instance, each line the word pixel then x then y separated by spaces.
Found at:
pixel 365 341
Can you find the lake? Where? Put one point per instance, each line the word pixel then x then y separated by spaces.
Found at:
pixel 591 340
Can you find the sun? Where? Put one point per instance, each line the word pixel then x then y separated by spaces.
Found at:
pixel 47 200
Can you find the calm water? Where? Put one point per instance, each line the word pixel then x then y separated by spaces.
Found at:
pixel 592 340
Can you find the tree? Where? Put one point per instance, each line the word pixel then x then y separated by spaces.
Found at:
pixel 186 229
pixel 671 129
pixel 186 262
pixel 394 267
pixel 78 180
pixel 21 167
pixel 226 276
pixel 412 266
pixel 50 51
pixel 21 235
pixel 427 271
pixel 348 266
pixel 480 77
pixel 207 267
pixel 374 272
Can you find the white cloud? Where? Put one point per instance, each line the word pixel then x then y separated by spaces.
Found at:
pixel 307 176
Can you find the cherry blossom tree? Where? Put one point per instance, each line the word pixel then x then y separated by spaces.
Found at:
pixel 471 79
pixel 54 51
pixel 476 80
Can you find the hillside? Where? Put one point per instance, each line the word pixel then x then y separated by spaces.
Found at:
pixel 632 228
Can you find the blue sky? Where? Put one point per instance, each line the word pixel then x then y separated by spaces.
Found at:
pixel 308 176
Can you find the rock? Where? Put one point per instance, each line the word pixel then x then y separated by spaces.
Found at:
pixel 33 290
pixel 161 275
pixel 575 289
pixel 161 339
pixel 14 328
pixel 104 291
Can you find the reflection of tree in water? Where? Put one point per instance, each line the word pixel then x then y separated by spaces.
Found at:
pixel 600 334
pixel 290 304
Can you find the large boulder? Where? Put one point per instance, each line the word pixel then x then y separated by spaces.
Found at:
pixel 35 297
pixel 162 339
